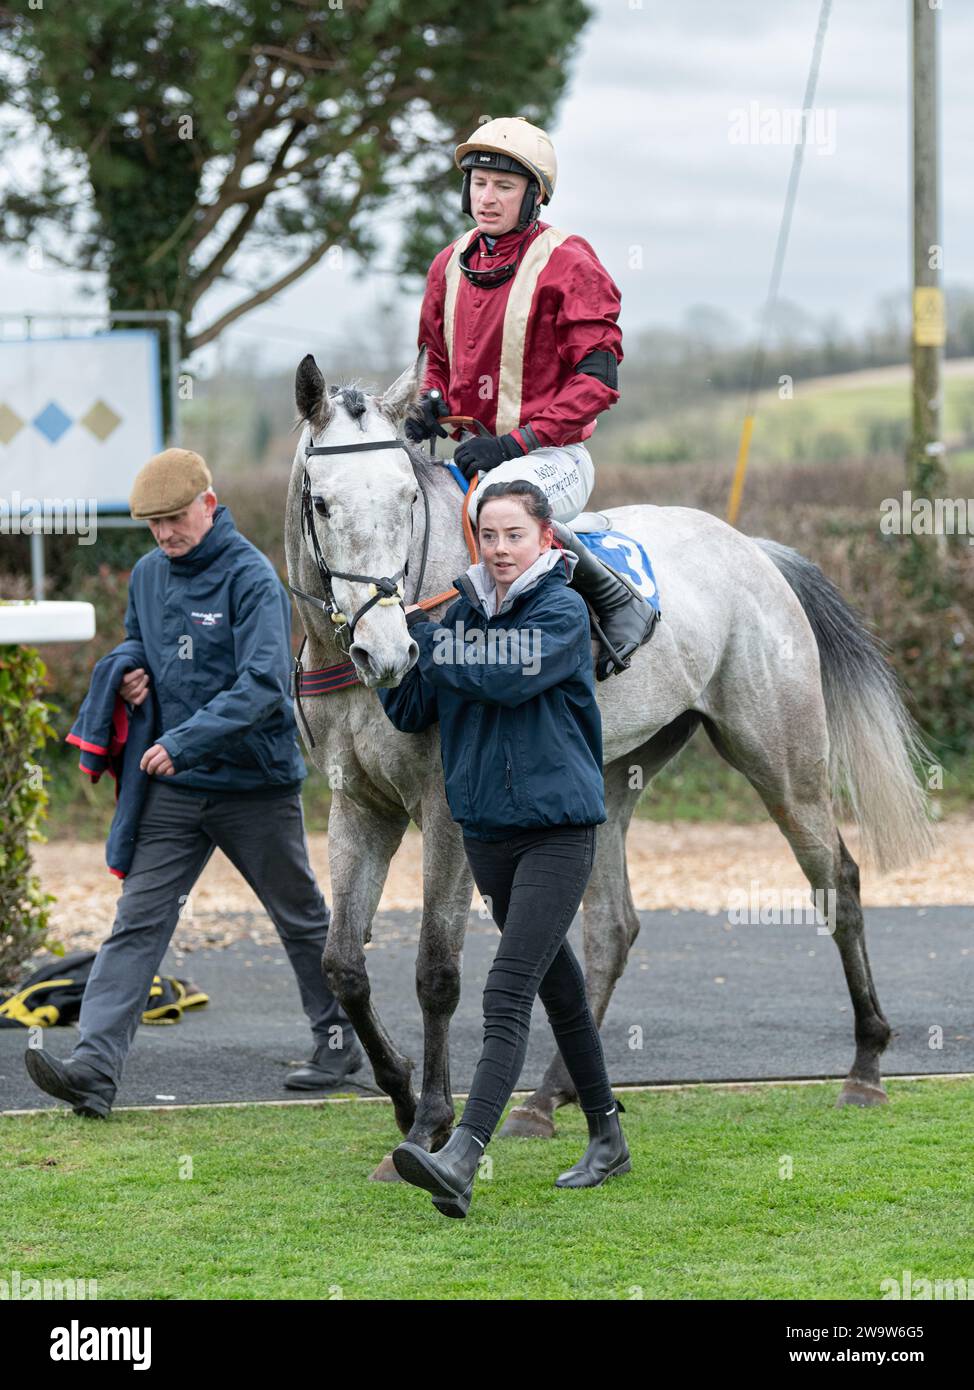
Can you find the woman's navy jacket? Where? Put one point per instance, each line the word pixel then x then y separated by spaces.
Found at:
pixel 521 738
pixel 216 627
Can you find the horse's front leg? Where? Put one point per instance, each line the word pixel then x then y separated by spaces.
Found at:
pixel 447 887
pixel 361 844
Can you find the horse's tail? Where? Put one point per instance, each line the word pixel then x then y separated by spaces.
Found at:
pixel 874 743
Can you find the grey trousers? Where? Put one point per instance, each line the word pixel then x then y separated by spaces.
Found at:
pixel 178 831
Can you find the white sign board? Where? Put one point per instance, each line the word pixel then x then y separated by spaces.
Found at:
pixel 78 418
pixel 46 622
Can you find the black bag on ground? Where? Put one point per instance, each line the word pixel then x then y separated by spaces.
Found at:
pixel 51 996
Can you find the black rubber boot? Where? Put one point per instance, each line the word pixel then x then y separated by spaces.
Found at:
pixel 327 1068
pixel 86 1090
pixel 624 616
pixel 607 1154
pixel 448 1174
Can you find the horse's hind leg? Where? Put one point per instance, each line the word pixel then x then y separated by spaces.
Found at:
pixel 786 760
pixel 610 922
pixel 863 1085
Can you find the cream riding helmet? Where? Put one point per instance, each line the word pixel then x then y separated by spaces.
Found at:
pixel 513 144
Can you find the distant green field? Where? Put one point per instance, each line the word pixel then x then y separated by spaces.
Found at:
pixel 825 421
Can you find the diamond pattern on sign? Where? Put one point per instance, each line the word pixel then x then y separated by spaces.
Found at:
pixel 101 420
pixel 10 424
pixel 52 422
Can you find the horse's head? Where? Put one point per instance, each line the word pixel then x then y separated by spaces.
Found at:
pixel 357 495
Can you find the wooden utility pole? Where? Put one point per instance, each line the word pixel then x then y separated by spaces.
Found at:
pixel 926 474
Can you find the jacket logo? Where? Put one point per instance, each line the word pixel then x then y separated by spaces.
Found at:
pixel 207 619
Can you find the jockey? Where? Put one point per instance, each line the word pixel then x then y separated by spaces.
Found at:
pixel 520 325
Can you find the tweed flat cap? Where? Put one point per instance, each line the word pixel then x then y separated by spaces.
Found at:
pixel 168 483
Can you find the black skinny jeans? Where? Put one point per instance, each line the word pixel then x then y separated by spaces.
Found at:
pixel 533 884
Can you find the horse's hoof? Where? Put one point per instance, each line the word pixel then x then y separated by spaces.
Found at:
pixel 524 1122
pixel 861 1093
pixel 385 1172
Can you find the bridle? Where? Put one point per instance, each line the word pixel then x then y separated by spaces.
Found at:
pixel 386 590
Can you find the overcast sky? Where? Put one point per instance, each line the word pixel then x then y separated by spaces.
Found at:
pixel 647 160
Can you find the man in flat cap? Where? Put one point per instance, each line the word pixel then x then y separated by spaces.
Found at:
pixel 226 771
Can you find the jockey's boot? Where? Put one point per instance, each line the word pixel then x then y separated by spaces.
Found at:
pixel 447 1174
pixel 607 1154
pixel 625 618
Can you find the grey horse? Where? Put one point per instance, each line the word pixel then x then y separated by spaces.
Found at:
pixel 755 644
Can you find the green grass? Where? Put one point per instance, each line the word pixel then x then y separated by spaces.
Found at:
pixel 279 1205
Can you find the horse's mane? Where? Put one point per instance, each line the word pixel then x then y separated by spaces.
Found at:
pixel 431 469
pixel 354 393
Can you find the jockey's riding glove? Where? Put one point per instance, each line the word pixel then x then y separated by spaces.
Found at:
pixel 421 427
pixel 481 455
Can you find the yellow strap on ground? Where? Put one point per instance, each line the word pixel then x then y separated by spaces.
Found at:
pixel 161 1013
pixel 743 449
pixel 46 1016
pixel 188 1000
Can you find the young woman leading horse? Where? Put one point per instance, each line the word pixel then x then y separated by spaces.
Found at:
pixel 521 743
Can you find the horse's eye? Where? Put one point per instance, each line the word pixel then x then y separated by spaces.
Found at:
pixel 321 506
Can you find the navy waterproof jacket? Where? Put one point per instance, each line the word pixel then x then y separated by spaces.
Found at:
pixel 216 627
pixel 521 738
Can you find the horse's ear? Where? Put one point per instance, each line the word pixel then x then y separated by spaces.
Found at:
pixel 309 393
pixel 401 396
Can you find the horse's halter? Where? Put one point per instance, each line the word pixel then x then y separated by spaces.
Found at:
pixel 384 590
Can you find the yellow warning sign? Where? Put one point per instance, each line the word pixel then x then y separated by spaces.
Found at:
pixel 929 318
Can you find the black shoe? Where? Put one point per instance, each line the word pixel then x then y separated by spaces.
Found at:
pixel 328 1067
pixel 448 1174
pixel 624 619
pixel 607 1154
pixel 85 1089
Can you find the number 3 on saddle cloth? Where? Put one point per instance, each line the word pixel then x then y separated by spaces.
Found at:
pixel 625 555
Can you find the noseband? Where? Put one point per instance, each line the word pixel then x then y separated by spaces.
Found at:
pixel 384 590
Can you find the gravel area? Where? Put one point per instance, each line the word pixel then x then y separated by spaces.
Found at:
pixel 671 866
